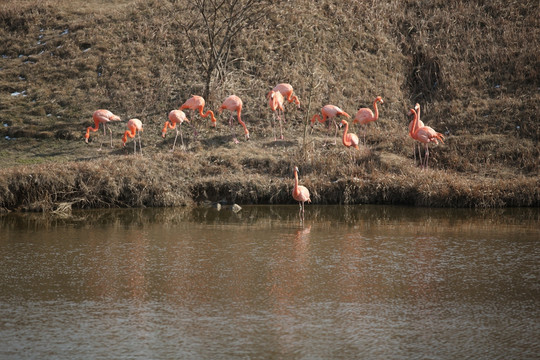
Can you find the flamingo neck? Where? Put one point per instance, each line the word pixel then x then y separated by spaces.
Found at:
pixel 411 126
pixel 315 118
pixel 415 122
pixel 376 115
pixel 295 181
pixel 131 133
pixel 168 125
pixel 346 141
pixel 94 129
pixel 242 123
pixel 208 112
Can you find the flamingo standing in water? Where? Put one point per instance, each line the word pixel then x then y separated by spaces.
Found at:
pixel 234 103
pixel 194 103
pixel 287 91
pixel 176 117
pixel 425 135
pixel 349 139
pixel 329 112
pixel 420 124
pixel 364 115
pixel 101 117
pixel 275 101
pixel 135 128
pixel 300 193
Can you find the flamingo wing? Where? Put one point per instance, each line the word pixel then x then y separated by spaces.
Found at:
pixel 301 194
pixel 363 116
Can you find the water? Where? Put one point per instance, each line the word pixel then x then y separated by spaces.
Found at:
pixel 351 282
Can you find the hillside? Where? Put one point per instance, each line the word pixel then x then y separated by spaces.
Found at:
pixel 472 65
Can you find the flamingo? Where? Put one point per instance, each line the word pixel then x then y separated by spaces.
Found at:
pixel 135 127
pixel 196 102
pixel 420 124
pixel 176 117
pixel 300 193
pixel 349 139
pixel 425 135
pixel 101 117
pixel 364 115
pixel 287 91
pixel 275 100
pixel 234 103
pixel 329 112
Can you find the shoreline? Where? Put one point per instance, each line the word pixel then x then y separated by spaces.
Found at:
pixel 162 180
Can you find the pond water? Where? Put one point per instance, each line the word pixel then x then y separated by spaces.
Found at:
pixel 349 282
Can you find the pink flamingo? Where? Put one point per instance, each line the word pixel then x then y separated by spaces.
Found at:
pixel 300 193
pixel 349 139
pixel 135 127
pixel 329 112
pixel 194 103
pixel 420 124
pixel 275 101
pixel 425 135
pixel 234 103
pixel 364 115
pixel 287 91
pixel 101 117
pixel 176 117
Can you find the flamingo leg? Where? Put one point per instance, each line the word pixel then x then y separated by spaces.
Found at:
pixel 192 123
pixel 140 143
pixel 101 139
pixel 335 134
pixel 181 136
pixel 280 127
pixel 176 137
pixel 328 128
pixel 110 131
pixel 233 133
pixel 194 129
pixel 274 126
pixel 365 131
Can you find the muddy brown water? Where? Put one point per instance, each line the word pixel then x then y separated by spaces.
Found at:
pixel 373 282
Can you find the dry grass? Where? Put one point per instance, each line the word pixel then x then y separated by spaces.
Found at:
pixel 472 65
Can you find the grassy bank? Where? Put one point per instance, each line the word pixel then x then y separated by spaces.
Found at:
pixel 262 177
pixel 471 65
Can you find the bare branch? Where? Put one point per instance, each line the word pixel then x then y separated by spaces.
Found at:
pixel 221 21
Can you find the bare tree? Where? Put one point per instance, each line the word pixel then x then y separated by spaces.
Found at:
pixel 213 25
